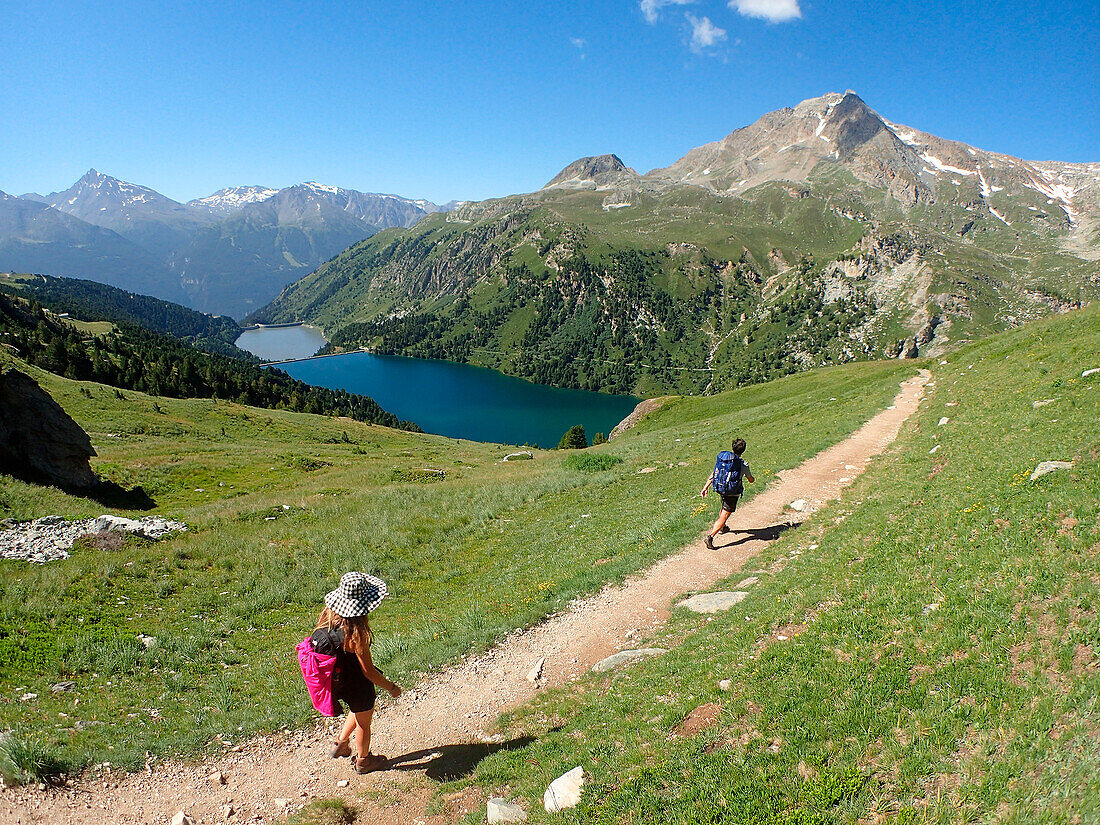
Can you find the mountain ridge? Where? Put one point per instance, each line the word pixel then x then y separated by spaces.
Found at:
pixel 816 234
pixel 202 253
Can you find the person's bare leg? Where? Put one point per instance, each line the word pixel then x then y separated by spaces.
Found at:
pixel 721 522
pixel 340 746
pixel 348 729
pixel 362 732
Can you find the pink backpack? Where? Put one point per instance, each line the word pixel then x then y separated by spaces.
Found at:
pixel 317 669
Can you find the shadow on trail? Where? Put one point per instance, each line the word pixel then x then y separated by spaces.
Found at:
pixel 770 533
pixel 449 762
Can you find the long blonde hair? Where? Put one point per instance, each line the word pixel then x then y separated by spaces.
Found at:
pixel 358 637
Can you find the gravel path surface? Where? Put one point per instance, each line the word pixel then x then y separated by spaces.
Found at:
pixel 437 727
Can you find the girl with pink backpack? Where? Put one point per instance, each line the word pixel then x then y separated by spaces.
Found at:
pixel 337 667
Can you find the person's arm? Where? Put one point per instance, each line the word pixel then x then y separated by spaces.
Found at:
pixel 748 475
pixel 377 676
pixel 706 487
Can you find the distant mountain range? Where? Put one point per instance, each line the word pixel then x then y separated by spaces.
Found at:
pixel 818 234
pixel 228 253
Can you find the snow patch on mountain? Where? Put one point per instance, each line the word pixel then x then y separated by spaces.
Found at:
pixel 943 167
pixel 233 198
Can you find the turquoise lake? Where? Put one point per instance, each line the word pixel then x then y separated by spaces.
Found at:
pixel 458 400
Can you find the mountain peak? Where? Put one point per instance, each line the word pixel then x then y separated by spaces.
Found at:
pixel 226 201
pixel 593 172
pixel 93 175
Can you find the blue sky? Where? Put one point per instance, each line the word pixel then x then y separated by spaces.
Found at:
pixel 470 100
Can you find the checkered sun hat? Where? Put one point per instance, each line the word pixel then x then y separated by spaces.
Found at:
pixel 357 595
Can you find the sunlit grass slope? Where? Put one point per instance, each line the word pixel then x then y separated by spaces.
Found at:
pixel 926 650
pixel 281 504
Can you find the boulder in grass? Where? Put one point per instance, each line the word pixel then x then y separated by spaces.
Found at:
pixel 714 602
pixel 565 791
pixel 625 657
pixel 524 455
pixel 1047 467
pixel 1093 371
pixel 501 810
pixel 39 442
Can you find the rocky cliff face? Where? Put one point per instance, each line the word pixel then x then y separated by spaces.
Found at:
pixel 38 440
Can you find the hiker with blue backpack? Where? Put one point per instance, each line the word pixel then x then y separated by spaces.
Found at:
pixel 337 667
pixel 730 473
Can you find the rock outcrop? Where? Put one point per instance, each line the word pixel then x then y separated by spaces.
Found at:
pixel 38 440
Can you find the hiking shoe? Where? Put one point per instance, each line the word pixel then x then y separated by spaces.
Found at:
pixel 370 762
pixel 338 749
pixel 723 529
pixel 709 542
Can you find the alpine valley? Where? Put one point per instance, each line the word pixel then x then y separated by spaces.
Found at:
pixel 818 234
pixel 228 253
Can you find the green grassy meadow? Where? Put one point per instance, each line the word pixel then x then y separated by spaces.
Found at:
pixel 280 504
pixel 925 650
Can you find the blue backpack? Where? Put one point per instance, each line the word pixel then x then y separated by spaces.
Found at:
pixel 727 474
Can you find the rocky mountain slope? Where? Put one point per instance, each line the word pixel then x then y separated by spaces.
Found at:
pixel 37 238
pixel 821 233
pixel 227 253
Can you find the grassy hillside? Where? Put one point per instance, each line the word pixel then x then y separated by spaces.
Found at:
pixel 280 504
pixel 926 650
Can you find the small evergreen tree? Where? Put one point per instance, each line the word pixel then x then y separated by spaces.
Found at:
pixel 599 438
pixel 574 438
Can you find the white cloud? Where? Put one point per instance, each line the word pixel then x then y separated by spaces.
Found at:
pixel 579 42
pixel 650 8
pixel 774 11
pixel 704 34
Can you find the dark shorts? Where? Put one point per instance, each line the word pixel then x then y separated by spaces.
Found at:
pixel 354 689
pixel 729 501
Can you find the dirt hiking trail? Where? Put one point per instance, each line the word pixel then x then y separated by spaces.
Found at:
pixel 435 730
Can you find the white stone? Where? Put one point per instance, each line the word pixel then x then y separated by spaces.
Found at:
pixel 1037 404
pixel 148 641
pixel 281 803
pixel 217 777
pixel 1045 467
pixel 930 608
pixel 942 421
pixel 713 602
pixel 798 504
pixel 565 791
pixel 725 684
pixel 523 455
pixel 625 657
pixel 228 811
pixel 535 673
pixel 501 810
pixel 1093 371
pixel 934 449
pixel 647 470
pixel 343 783
pixel 182 818
pixel 108 523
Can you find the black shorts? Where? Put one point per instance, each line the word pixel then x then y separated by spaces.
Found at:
pixel 729 501
pixel 353 688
